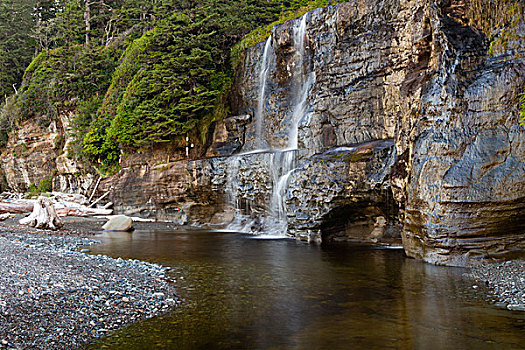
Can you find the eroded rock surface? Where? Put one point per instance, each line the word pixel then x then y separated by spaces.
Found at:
pixel 414 72
pixel 38 152
pixel 409 128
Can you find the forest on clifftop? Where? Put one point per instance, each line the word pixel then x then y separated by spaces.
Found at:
pixel 133 74
pixel 136 74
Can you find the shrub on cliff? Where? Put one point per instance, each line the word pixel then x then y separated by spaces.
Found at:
pixel 171 82
pixel 177 86
pixel 498 20
pixel 522 113
pixel 174 80
pixel 57 79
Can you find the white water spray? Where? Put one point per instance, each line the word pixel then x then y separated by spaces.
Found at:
pixel 260 111
pixel 281 163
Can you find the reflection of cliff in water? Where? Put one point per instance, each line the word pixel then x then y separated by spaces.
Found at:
pixel 240 292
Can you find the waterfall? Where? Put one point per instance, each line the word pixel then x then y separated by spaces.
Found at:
pixel 284 161
pixel 280 163
pixel 282 166
pixel 241 222
pixel 260 140
pixel 299 112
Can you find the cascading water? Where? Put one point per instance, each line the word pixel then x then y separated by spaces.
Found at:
pixel 284 161
pixel 281 163
pixel 260 139
pixel 241 222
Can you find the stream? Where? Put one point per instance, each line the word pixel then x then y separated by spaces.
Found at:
pixel 239 292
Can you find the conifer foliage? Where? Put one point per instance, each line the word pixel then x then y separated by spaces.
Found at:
pixel 134 73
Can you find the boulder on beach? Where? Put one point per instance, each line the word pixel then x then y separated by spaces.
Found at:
pixel 119 223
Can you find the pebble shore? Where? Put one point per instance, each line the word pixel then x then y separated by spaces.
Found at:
pixel 506 282
pixel 53 296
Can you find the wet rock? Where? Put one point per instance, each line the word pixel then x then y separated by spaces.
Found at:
pixel 506 282
pixel 228 136
pixel 413 72
pixel 67 298
pixel 184 192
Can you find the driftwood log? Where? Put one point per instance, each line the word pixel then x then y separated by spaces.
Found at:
pixel 16 207
pixel 43 216
pixel 83 211
pixel 64 204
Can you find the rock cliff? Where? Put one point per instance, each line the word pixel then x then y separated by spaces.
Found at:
pixel 412 72
pixel 368 120
pixel 36 152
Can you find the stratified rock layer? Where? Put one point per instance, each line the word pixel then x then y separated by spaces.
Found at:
pixel 413 72
pixel 36 152
pixel 410 128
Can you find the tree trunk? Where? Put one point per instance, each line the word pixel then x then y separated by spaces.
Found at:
pixel 16 207
pixel 43 216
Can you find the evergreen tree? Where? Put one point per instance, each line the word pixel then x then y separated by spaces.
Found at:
pixel 16 44
pixel 172 79
pixel 45 28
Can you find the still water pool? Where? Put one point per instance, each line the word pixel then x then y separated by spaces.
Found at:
pixel 245 293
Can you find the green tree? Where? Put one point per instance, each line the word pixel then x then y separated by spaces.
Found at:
pixel 136 73
pixel 45 28
pixel 70 29
pixel 16 44
pixel 175 88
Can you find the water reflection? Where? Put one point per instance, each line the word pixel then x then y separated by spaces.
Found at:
pixel 243 293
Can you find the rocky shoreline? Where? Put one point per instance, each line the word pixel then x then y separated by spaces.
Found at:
pixel 55 296
pixel 506 281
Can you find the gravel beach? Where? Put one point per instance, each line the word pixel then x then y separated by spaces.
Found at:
pixel 506 281
pixel 53 296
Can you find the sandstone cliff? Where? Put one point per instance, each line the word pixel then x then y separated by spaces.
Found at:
pixel 405 126
pixel 413 72
pixel 36 152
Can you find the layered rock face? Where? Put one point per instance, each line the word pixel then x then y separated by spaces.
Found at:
pixel 30 156
pixel 408 126
pixel 368 120
pixel 182 192
pixel 38 152
pixel 412 72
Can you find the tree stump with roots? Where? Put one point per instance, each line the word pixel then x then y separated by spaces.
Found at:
pixel 43 216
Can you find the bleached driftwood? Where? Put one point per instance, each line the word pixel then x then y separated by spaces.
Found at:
pixel 64 205
pixel 98 200
pixel 134 218
pixel 69 199
pixel 10 195
pixel 16 207
pixel 83 211
pixel 43 216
